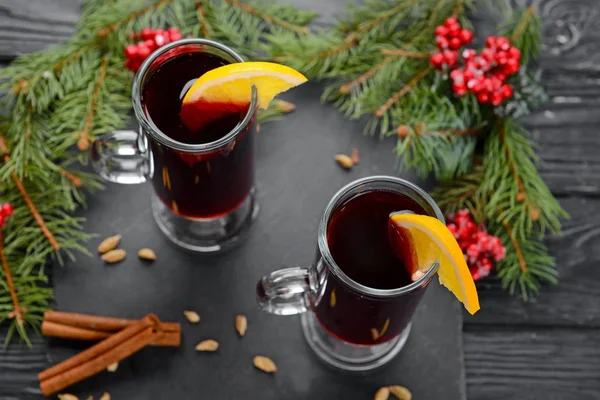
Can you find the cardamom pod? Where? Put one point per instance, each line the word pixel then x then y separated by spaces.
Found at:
pixel 207 345
pixel 108 244
pixel 241 324
pixel 105 396
pixel 400 392
pixel 114 256
pixel 192 316
pixel 147 254
pixel 67 396
pixel 344 161
pixel 113 367
pixel 382 394
pixel 264 364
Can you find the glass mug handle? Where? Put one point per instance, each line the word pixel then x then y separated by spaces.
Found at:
pixel 122 157
pixel 285 292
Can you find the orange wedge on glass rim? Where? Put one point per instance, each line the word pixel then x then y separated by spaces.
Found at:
pixel 228 89
pixel 431 241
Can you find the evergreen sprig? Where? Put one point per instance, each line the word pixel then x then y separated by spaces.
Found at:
pixel 59 100
pixel 375 63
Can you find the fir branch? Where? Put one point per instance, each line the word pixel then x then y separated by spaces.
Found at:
pixel 345 88
pixel 25 195
pixel 83 143
pixel 269 19
pixel 390 102
pixel 530 13
pixel 17 312
pixel 75 180
pixel 205 27
pixel 524 28
pixel 404 53
pixel 134 15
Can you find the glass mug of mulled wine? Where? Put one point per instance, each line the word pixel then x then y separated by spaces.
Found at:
pixel 203 180
pixel 358 298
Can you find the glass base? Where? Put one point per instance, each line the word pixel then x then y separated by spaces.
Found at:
pixel 348 356
pixel 206 235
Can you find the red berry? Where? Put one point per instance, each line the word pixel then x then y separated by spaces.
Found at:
pixel 499 75
pixel 456 75
pixel 483 97
pixel 468 54
pixel 468 75
pixel 455 43
pixel 488 54
pixel 482 64
pixel 484 266
pixel 454 31
pixel 512 66
pixel 499 254
pixel 466 36
pixel 441 42
pixel 143 51
pixel 459 89
pixel 441 30
pixel 147 33
pixel 503 43
pixel 496 83
pixel 515 53
pixel 496 98
pixel 464 213
pixel 437 59
pixel 158 32
pixel 175 36
pixel 131 51
pixel 151 44
pixel 7 210
pixel 475 274
pixel 172 30
pixel 472 252
pixel 507 91
pixel 159 40
pixel 490 42
pixel 450 57
pixel 450 22
pixel 453 229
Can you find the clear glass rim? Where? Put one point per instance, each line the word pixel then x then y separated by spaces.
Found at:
pixel 324 247
pixel 164 139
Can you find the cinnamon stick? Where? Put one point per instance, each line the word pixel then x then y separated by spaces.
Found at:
pixel 95 365
pixel 53 329
pixel 99 323
pixel 112 342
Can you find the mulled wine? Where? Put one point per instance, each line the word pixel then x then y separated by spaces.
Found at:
pixel 197 185
pixel 358 237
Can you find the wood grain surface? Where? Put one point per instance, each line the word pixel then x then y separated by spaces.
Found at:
pixel 545 349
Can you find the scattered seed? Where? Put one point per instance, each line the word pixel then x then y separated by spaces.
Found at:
pixel 418 274
pixel 108 244
pixel 207 345
pixel 332 299
pixel 192 316
pixel 355 158
pixel 90 397
pixel 385 327
pixel 147 254
pixel 264 364
pixel 114 256
pixel 113 367
pixel 257 128
pixel 67 396
pixel 284 106
pixel 241 324
pixel 105 396
pixel 382 394
pixel 344 161
pixel 400 392
pixel 374 333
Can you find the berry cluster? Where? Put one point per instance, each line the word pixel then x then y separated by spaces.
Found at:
pixel 135 54
pixel 484 74
pixel 449 38
pixel 6 210
pixel 479 247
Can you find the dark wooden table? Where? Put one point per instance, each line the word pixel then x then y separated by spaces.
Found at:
pixel 548 348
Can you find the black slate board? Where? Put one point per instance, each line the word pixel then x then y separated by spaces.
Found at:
pixel 296 176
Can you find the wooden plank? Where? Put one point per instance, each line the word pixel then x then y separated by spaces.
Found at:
pixel 533 365
pixel 574 301
pixel 19 366
pixel 28 26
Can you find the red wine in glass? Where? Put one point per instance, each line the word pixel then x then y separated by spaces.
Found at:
pixel 358 237
pixel 197 186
